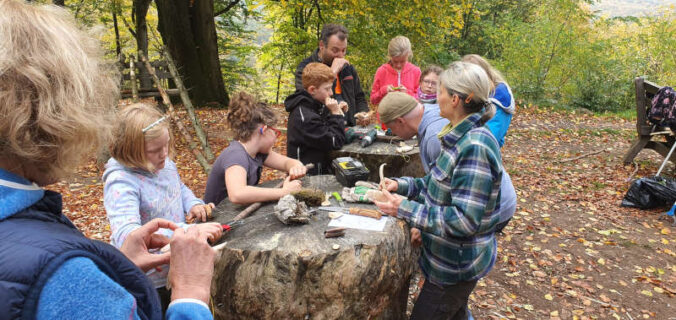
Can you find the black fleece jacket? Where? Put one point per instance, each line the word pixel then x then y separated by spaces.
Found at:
pixel 312 131
pixel 349 84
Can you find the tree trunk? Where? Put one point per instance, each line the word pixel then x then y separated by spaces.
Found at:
pixel 189 32
pixel 269 270
pixel 141 9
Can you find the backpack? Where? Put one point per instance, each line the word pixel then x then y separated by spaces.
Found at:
pixel 663 109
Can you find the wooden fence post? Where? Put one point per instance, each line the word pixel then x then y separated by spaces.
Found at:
pixel 201 135
pixel 170 108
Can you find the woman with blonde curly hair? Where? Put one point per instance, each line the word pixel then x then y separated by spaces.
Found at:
pixel 237 169
pixel 56 95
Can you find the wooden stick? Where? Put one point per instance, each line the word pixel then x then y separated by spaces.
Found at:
pixel 132 78
pixel 183 92
pixel 366 213
pixel 254 206
pixel 580 157
pixel 186 135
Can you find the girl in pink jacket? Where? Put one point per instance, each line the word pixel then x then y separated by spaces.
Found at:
pixel 398 74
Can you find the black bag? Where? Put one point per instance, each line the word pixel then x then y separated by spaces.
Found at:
pixel 648 193
pixel 662 111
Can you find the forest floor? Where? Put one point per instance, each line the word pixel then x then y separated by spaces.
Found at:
pixel 570 252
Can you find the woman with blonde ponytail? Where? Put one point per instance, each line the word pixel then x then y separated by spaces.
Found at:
pixel 454 205
pixel 503 100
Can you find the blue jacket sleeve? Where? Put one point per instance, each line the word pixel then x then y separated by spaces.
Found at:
pixel 79 290
pixel 188 309
pixel 499 124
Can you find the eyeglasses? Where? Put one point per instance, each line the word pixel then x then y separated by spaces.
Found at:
pixel 430 83
pixel 277 132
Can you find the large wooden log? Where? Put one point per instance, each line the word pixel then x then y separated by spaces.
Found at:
pixel 268 270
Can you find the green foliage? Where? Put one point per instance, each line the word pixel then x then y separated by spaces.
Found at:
pixel 297 25
pixel 552 52
pixel 236 43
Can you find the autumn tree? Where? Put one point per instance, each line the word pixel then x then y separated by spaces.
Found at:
pixel 189 32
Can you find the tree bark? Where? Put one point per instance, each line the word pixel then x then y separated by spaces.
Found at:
pixel 118 49
pixel 189 32
pixel 141 9
pixel 269 270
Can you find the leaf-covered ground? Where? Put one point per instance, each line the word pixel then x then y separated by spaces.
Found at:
pixel 571 252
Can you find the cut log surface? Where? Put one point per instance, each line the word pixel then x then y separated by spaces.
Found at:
pixel 398 164
pixel 268 270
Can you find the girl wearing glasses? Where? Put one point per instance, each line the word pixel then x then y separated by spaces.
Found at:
pixel 238 168
pixel 429 84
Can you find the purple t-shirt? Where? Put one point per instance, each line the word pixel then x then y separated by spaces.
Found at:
pixel 234 154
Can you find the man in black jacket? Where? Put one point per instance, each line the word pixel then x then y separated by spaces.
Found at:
pixel 331 51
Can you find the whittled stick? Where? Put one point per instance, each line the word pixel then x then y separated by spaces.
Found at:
pixel 366 213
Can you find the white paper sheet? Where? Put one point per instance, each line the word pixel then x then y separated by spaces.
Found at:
pixel 359 222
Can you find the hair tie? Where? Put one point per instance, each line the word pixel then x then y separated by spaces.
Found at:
pixel 469 97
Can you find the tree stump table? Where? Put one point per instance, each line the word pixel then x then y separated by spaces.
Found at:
pixel 398 164
pixel 268 270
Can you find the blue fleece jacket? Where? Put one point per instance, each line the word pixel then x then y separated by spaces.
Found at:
pixel 78 289
pixel 504 110
pixel 133 197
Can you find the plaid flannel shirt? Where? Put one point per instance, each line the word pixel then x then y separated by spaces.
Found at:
pixel 455 205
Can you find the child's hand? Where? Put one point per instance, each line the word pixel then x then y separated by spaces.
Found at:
pixel 402 88
pixel 332 105
pixel 297 171
pixel 213 230
pixel 390 88
pixel 291 185
pixel 199 212
pixel 343 106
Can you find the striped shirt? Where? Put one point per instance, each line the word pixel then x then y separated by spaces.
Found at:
pixel 455 204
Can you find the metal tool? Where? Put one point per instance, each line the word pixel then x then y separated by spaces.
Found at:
pixel 336 195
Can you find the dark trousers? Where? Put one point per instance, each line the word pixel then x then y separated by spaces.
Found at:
pixel 165 298
pixel 447 302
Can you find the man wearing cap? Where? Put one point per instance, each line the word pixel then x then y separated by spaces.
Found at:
pixel 346 86
pixel 407 118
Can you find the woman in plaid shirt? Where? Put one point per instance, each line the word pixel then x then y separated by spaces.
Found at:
pixel 455 204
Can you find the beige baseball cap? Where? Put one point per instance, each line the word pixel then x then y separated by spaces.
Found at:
pixel 394 105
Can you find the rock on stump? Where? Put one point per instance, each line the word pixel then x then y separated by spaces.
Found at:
pixel 268 270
